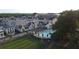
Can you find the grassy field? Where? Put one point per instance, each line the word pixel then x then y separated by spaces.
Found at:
pixel 25 42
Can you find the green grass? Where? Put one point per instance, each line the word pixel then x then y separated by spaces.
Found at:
pixel 24 42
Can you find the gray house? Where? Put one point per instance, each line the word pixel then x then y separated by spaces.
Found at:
pixel 8 25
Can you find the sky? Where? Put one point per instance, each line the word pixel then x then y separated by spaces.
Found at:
pixel 38 6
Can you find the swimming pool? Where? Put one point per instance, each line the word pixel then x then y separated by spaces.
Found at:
pixel 45 34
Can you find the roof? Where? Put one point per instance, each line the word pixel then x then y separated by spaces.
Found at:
pixel 1 30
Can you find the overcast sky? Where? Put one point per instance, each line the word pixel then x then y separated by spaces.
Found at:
pixel 39 6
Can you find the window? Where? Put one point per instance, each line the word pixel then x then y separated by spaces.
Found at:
pixel 1 34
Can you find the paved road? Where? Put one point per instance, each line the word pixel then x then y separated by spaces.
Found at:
pixel 19 35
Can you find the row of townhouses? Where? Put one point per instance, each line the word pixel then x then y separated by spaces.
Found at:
pixel 12 25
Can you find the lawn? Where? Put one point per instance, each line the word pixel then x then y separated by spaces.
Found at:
pixel 25 42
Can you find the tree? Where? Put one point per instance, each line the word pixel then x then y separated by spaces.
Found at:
pixel 65 27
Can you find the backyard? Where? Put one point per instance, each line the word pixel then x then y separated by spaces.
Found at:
pixel 25 42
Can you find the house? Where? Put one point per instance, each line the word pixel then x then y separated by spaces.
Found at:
pixel 8 25
pixel 2 37
pixel 21 24
pixel 9 30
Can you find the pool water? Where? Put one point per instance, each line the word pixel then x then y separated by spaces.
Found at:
pixel 45 33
